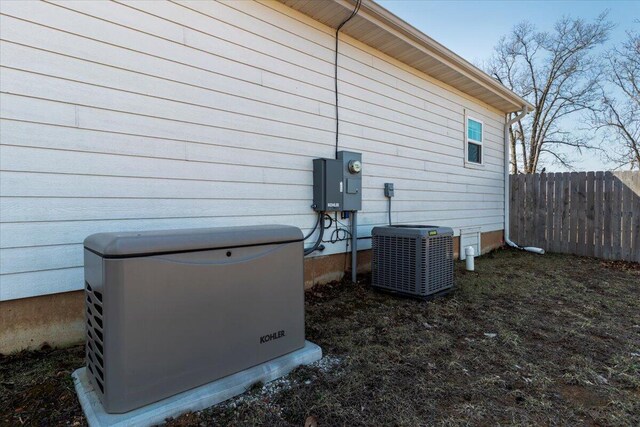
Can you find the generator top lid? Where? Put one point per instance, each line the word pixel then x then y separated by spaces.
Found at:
pixel 127 244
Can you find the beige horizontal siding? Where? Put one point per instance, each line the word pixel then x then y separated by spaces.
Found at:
pixel 152 115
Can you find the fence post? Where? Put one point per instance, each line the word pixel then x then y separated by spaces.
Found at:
pixel 598 214
pixel 635 238
pixel 581 204
pixel 617 218
pixel 540 208
pixel 575 208
pixel 607 190
pixel 590 211
pixel 513 206
pixel 549 211
pixel 557 214
pixel 626 212
pixel 523 208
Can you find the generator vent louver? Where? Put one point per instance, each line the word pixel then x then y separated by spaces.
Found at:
pixel 95 336
pixel 414 260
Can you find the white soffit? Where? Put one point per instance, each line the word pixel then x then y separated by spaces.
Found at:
pixel 377 27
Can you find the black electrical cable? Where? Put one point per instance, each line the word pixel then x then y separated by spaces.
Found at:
pixel 325 217
pixel 389 210
pixel 313 230
pixel 318 242
pixel 342 224
pixel 335 235
pixel 335 67
pixel 322 216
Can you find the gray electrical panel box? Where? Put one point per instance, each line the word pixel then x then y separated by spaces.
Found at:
pixel 337 183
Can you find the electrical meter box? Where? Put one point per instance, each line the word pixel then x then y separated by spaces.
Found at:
pixel 337 183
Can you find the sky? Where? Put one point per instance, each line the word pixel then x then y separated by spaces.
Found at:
pixel 472 28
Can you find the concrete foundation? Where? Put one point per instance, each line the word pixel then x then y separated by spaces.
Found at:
pixel 195 399
pixel 58 320
pixel 29 323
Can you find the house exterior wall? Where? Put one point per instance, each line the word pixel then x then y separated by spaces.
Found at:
pixel 153 115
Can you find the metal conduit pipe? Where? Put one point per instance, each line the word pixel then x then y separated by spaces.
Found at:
pixel 354 246
pixel 507 187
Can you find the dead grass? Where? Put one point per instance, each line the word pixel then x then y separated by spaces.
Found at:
pixel 525 340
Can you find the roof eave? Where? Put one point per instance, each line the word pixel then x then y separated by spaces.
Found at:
pixel 452 70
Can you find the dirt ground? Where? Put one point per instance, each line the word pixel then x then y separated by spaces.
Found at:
pixel 524 340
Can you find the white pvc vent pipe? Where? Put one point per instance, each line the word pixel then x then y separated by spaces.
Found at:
pixel 533 249
pixel 469 257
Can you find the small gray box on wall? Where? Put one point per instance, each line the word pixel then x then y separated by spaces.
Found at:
pixel 167 311
pixel 337 183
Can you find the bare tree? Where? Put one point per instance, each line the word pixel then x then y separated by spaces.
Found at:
pixel 619 115
pixel 558 73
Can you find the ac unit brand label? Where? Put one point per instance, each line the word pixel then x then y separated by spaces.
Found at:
pixel 271 337
pixel 433 233
pixel 333 205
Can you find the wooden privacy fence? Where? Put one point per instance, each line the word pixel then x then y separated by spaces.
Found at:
pixel 583 213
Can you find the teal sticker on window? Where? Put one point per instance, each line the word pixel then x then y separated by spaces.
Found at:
pixel 474 130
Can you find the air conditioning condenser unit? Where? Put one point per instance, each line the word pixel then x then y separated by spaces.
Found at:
pixel 415 260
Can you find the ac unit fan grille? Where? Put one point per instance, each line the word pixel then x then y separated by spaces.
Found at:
pixel 437 271
pixel 395 265
pixel 95 336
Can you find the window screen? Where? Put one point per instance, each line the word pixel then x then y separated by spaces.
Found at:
pixel 474 153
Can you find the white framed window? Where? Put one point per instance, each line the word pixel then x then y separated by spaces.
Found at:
pixel 474 137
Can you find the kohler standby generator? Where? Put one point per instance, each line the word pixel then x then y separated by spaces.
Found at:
pixel 168 311
pixel 415 260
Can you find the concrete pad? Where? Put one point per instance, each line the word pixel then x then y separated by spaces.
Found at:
pixel 191 400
